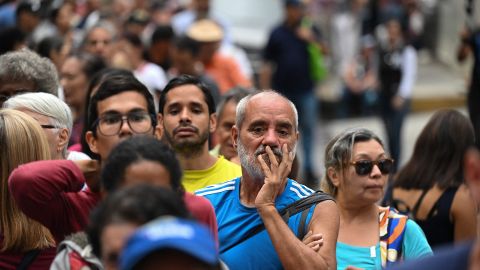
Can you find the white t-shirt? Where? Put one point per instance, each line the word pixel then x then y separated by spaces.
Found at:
pixel 74 155
pixel 152 76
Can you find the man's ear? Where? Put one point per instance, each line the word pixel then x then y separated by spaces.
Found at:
pixel 234 136
pixel 63 136
pixel 472 172
pixel 213 122
pixel 158 132
pixel 334 176
pixel 92 141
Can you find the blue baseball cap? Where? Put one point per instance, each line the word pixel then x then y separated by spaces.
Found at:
pixel 183 235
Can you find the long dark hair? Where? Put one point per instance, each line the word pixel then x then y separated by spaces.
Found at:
pixel 438 154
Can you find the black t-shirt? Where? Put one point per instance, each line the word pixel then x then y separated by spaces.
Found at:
pixel 475 45
pixel 289 54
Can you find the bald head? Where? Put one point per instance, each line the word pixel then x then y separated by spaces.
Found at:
pixel 259 98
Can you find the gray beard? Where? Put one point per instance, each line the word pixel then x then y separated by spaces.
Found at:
pixel 249 162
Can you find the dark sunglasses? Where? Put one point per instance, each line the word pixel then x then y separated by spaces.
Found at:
pixel 365 167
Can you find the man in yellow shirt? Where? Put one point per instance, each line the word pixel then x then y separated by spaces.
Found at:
pixel 187 114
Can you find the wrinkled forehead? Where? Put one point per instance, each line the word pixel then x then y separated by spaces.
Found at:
pixel 271 106
pixel 99 32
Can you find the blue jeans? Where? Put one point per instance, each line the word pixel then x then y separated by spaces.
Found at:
pixel 307 107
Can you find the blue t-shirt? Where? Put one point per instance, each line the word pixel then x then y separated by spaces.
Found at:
pixel 236 220
pixel 415 245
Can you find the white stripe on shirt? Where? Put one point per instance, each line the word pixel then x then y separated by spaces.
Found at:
pixel 297 192
pixel 304 189
pixel 215 191
pixel 230 182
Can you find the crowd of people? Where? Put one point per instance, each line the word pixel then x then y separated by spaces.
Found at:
pixel 133 136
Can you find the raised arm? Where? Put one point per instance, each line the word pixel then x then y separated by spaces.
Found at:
pixel 49 191
pixel 293 253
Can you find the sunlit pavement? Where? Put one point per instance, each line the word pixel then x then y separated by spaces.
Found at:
pixel 437 87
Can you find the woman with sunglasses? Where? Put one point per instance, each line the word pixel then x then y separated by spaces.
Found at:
pixel 431 187
pixel 370 237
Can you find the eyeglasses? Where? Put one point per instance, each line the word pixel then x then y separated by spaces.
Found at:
pixel 111 124
pixel 365 167
pixel 49 126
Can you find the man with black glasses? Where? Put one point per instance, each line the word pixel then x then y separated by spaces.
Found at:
pixel 52 191
pixel 120 109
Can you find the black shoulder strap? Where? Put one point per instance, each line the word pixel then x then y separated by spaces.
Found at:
pixel 418 203
pixel 302 225
pixel 28 258
pixel 302 205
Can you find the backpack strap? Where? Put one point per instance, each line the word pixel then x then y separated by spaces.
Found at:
pixel 302 225
pixel 28 259
pixel 68 250
pixel 303 205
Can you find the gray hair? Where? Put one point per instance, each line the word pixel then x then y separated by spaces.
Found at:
pixel 103 24
pixel 242 106
pixel 44 104
pixel 235 94
pixel 26 65
pixel 339 150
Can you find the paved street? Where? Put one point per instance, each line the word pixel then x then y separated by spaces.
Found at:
pixel 412 127
pixel 437 86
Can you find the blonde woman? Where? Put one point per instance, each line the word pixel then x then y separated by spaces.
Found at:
pixel 370 237
pixel 22 240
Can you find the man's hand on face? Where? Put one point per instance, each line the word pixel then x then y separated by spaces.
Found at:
pixel 275 176
pixel 91 170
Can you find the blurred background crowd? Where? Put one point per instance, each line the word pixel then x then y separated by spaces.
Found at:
pixel 359 65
